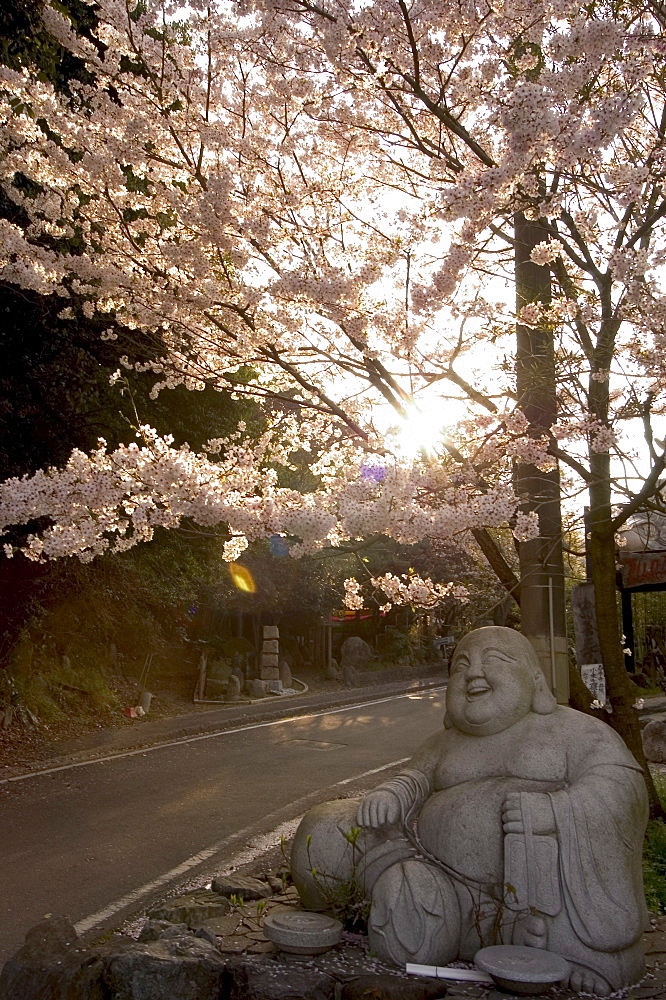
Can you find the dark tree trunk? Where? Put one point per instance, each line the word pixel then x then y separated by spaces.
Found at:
pixel 619 688
pixel 542 599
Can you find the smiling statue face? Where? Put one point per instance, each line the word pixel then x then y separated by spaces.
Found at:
pixel 491 682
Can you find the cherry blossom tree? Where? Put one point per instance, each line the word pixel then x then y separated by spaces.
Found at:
pixel 343 195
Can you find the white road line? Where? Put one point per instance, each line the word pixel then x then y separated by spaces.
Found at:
pixel 375 770
pixel 208 736
pixel 267 840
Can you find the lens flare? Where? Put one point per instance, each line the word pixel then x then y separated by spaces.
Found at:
pixel 242 578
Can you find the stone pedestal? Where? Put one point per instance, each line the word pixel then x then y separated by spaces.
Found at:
pixel 270 657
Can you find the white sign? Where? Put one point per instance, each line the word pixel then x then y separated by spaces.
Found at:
pixel 595 679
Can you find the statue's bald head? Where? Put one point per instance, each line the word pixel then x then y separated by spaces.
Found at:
pixel 495 680
pixel 503 638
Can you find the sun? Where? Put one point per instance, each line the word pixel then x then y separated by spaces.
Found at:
pixel 421 431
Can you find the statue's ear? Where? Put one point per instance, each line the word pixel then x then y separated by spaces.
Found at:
pixel 447 721
pixel 543 701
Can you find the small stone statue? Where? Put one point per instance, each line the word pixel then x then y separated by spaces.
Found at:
pixel 238 667
pixel 520 822
pixel 233 688
pixel 285 675
pixel 354 653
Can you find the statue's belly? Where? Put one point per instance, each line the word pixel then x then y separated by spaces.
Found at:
pixel 462 825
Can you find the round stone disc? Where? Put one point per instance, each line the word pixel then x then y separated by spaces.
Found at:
pixel 519 964
pixel 301 931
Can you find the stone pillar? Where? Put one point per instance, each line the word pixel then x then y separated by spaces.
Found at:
pixel 270 659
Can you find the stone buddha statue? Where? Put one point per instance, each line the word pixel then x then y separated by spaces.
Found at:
pixel 519 822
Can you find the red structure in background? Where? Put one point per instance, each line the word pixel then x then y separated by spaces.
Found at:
pixel 642 569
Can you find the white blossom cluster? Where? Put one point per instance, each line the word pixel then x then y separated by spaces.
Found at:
pixel 406 589
pixel 115 499
pixel 229 198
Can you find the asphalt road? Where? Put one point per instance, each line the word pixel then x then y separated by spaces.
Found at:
pixel 79 841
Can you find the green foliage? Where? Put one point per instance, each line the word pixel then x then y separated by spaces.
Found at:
pixel 24 41
pixel 52 688
pixel 654 866
pixel 56 650
pixel 654 856
pixel 346 899
pixel 395 644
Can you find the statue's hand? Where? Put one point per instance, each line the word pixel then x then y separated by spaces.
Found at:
pixel 541 812
pixel 380 807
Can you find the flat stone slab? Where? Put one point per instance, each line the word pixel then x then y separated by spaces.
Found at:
pixel 524 970
pixel 241 886
pixel 193 908
pixel 302 933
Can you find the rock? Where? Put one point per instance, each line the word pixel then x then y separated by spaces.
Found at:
pixel 332 673
pixel 355 650
pixel 52 965
pixel 239 885
pixel 349 674
pixel 233 688
pixel 654 741
pixel 218 670
pixel 180 968
pixel 215 687
pixel 354 653
pixel 270 660
pixel 271 632
pixel 206 935
pixel 285 674
pixel 390 987
pixel 270 673
pixel 269 980
pixel 145 701
pixel 192 908
pixel 274 687
pixel 256 688
pixel 153 930
pixel 270 646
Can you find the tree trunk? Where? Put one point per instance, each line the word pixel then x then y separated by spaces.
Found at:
pixel 542 599
pixel 619 689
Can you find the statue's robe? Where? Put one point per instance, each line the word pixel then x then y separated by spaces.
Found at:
pixel 452 794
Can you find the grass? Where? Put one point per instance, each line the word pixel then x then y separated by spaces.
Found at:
pixel 52 687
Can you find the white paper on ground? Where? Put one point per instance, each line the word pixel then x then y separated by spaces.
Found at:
pixel 446 972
